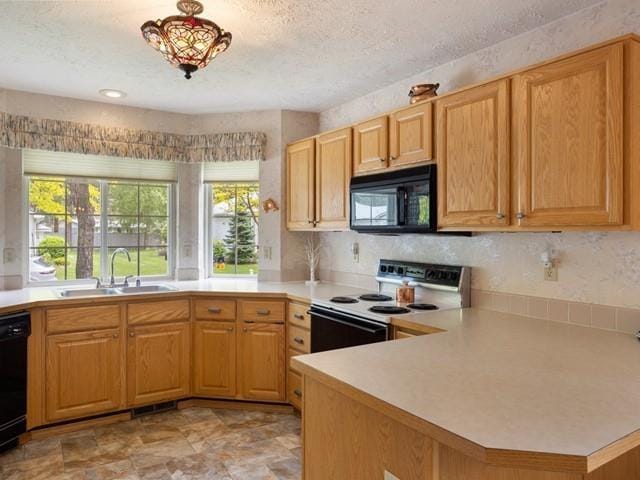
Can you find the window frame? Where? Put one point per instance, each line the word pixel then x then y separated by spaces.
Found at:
pixel 105 267
pixel 208 213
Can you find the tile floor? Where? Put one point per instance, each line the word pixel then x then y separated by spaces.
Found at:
pixel 195 443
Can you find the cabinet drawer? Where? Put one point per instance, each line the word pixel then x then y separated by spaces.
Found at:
pixel 77 319
pixel 215 309
pixel 156 312
pixel 294 390
pixel 261 311
pixel 293 353
pixel 300 339
pixel 298 315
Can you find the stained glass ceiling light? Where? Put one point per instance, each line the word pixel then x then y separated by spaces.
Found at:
pixel 187 41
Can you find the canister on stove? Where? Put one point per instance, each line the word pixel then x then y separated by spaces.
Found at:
pixel 405 293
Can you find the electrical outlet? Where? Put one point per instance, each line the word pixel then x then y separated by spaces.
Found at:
pixel 551 273
pixel 389 476
pixel 355 251
pixel 267 253
pixel 8 255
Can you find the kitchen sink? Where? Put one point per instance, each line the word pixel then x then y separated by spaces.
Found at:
pixel 146 289
pixel 87 292
pixel 93 292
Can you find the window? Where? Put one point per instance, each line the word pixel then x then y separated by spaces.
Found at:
pixel 233 228
pixel 76 224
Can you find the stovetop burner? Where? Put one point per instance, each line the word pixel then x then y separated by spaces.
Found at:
pixel 375 297
pixel 422 306
pixel 388 309
pixel 344 300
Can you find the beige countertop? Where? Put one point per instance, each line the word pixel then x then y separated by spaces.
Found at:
pixel 502 381
pixel 45 295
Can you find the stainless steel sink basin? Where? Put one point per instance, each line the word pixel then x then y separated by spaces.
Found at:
pixel 87 292
pixel 146 289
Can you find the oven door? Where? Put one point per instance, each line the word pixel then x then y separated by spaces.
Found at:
pixel 331 330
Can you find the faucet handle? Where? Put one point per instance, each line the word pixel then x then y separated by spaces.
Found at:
pixel 126 280
pixel 98 281
pixel 138 282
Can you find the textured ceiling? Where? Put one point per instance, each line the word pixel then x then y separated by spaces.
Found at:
pixel 285 54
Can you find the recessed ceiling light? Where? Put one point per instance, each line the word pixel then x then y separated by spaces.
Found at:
pixel 110 93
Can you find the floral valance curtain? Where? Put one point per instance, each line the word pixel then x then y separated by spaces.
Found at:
pixel 18 131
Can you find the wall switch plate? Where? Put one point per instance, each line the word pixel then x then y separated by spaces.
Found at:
pixel 268 252
pixel 389 476
pixel 188 250
pixel 551 273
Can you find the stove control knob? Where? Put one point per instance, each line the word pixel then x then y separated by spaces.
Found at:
pixel 390 269
pixel 400 271
pixel 383 268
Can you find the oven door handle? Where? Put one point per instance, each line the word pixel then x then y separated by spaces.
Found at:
pixel 349 324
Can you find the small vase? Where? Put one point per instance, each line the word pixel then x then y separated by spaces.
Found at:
pixel 312 278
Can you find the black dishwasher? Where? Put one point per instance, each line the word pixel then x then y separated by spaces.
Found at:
pixel 14 331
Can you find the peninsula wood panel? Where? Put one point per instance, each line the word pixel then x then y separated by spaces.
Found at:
pixel 262 373
pixel 158 363
pixel 215 309
pixel 36 370
pixel 76 319
pixel 84 374
pixel 301 185
pixel 568 141
pixel 157 312
pixel 411 135
pixel 333 173
pixel 371 146
pixel 473 157
pixel 344 439
pixel 214 353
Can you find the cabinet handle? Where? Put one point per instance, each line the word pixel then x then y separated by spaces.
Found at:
pixel 298 316
pixel 244 329
pixel 500 216
pixel 116 335
pixel 299 340
pixel 132 334
pixel 230 329
pixel 520 215
pixel 249 321
pixel 381 159
pixel 214 309
pixel 298 393
pixel 263 311
pixel 393 157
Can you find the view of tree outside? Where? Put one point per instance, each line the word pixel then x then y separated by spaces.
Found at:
pixel 234 228
pixel 66 227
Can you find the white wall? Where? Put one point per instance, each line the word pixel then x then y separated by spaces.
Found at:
pixel 595 267
pixel 279 126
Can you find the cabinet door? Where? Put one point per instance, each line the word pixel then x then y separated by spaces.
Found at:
pixel 411 135
pixel 262 357
pixel 473 157
pixel 158 363
pixel 84 374
pixel 300 185
pixel 333 173
pixel 214 352
pixel 371 146
pixel 568 127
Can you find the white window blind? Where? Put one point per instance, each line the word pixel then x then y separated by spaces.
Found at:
pixel 41 162
pixel 242 171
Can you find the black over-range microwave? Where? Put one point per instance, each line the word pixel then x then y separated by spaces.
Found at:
pixel 401 201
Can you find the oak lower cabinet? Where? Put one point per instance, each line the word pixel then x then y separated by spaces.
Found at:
pixel 473 174
pixel 568 140
pixel 158 363
pixel 214 353
pixel 411 135
pixel 84 374
pixel 261 374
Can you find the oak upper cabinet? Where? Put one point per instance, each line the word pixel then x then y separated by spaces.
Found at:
pixel 214 353
pixel 262 361
pixel 333 173
pixel 411 135
pixel 473 156
pixel 371 146
pixel 84 374
pixel 158 362
pixel 568 141
pixel 301 185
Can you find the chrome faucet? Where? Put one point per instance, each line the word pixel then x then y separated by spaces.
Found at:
pixel 113 258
